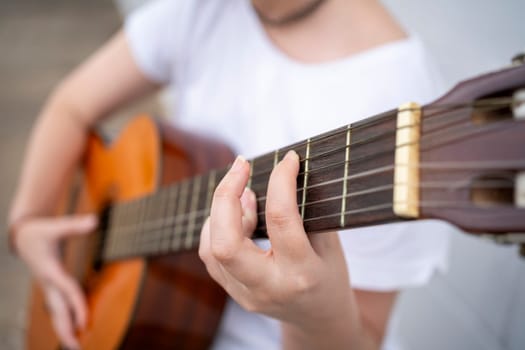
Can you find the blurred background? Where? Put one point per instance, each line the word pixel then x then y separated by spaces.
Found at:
pixel 479 304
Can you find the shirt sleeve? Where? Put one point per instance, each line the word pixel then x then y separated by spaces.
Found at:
pixel 396 256
pixel 153 35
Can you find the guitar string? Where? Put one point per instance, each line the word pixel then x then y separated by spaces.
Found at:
pixel 329 166
pixel 183 216
pixel 483 103
pixel 457 185
pixel 367 158
pixel 425 138
pixel 161 225
pixel 352 145
pixel 433 165
pixel 440 165
pixel 344 130
pixel 142 247
pixel 164 237
pixel 198 224
pixel 193 238
pixel 332 135
pixel 374 156
pixel 201 215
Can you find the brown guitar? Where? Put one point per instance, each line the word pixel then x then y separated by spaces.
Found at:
pixel 460 159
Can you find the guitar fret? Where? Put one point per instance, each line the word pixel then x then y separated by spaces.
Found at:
pixel 168 222
pixel 179 222
pixel 171 220
pixel 114 227
pixel 147 233
pixel 136 234
pixel 251 174
pixel 211 188
pixel 145 237
pixel 345 176
pixel 193 209
pixel 143 234
pixel 305 181
pixel 126 233
pixel 160 220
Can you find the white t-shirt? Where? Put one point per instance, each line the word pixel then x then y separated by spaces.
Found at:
pixel 232 83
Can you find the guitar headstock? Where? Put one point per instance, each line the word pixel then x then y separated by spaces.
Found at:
pixel 472 156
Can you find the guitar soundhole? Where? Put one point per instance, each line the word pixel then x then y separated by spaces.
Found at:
pixel 493 190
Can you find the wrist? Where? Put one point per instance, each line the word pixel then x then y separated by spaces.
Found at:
pixel 343 330
pixel 337 335
pixel 13 227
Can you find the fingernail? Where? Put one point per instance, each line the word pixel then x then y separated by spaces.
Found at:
pixel 239 162
pixel 291 155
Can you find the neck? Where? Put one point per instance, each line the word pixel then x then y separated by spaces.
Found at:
pixel 335 30
pixel 275 14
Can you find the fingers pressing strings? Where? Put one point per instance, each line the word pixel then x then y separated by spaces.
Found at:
pixel 230 245
pixel 285 227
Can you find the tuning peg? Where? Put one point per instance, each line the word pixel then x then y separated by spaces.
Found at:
pixel 518 104
pixel 518 59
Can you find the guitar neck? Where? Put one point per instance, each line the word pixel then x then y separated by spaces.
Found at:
pixel 374 171
pixel 345 180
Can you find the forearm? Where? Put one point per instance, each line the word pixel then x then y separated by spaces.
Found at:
pixel 54 148
pixel 105 82
pixel 348 332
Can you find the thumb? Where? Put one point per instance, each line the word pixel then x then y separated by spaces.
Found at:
pixel 74 225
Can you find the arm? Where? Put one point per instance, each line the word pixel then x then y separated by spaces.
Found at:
pixel 305 283
pixel 106 81
pixel 374 313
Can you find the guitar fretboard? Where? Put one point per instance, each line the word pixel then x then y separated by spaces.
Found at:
pixel 345 180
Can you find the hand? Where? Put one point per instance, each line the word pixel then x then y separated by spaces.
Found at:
pixel 37 242
pixel 301 279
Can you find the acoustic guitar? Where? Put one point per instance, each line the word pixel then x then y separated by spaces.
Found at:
pixel 459 159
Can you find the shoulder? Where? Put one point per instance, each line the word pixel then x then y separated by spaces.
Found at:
pixel 188 15
pixel 164 34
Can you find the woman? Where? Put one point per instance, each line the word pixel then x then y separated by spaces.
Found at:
pixel 243 71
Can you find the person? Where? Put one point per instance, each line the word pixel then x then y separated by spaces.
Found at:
pixel 259 74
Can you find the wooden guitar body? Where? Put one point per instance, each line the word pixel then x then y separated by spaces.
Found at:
pixel 163 302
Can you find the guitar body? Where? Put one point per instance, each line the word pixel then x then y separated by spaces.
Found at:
pixel 165 302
